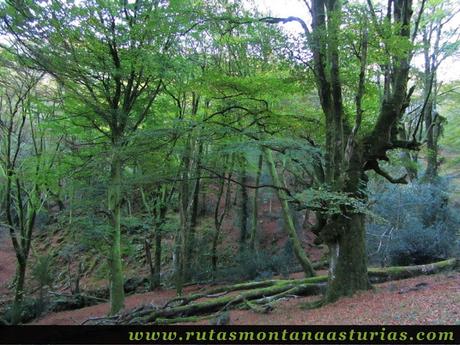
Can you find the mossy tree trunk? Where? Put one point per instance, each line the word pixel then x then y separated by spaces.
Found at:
pixel 19 290
pixel 347 259
pixel 278 182
pixel 195 207
pixel 117 295
pixel 188 185
pixel 243 215
pixel 218 219
pixel 255 204
pixel 156 274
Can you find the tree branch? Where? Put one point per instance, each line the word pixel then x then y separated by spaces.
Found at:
pixel 401 180
pixel 275 20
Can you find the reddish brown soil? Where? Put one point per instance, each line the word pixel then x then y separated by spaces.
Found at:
pixel 75 317
pixel 7 263
pixel 438 302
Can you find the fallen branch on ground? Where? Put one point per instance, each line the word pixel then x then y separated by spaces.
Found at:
pixel 256 295
pixel 380 275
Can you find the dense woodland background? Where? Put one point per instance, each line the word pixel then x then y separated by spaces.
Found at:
pixel 156 144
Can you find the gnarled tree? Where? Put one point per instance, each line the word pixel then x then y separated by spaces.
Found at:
pixel 350 149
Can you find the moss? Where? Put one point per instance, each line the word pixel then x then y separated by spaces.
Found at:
pixel 402 272
pixel 348 269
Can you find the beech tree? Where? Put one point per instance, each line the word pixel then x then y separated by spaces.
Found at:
pixel 27 156
pixel 111 59
pixel 355 145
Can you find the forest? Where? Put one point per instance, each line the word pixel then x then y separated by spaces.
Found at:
pixel 213 162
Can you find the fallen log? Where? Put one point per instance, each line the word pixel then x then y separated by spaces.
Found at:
pixel 263 294
pixel 223 290
pixel 380 275
pixel 224 302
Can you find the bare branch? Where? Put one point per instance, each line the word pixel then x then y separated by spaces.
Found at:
pixel 275 20
pixel 417 22
pixel 401 180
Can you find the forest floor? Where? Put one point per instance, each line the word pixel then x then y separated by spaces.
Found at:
pixel 422 300
pixel 7 262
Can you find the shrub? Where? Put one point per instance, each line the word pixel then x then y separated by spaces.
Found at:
pixel 413 224
pixel 260 265
pixel 43 274
pixel 29 309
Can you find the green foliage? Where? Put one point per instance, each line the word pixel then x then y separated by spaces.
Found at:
pixel 42 271
pixel 28 310
pixel 329 202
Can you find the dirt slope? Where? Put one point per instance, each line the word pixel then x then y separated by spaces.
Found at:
pixel 7 262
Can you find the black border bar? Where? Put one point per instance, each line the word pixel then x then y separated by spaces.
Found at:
pixel 229 334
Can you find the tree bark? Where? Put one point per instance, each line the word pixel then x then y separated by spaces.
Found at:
pixel 219 218
pixel 117 294
pixel 255 203
pixel 19 289
pixel 243 207
pixel 148 258
pixel 348 259
pixel 430 90
pixel 156 278
pixel 187 192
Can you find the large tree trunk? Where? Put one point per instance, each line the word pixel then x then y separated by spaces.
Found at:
pixel 347 155
pixel 117 295
pixel 348 259
pixel 345 236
